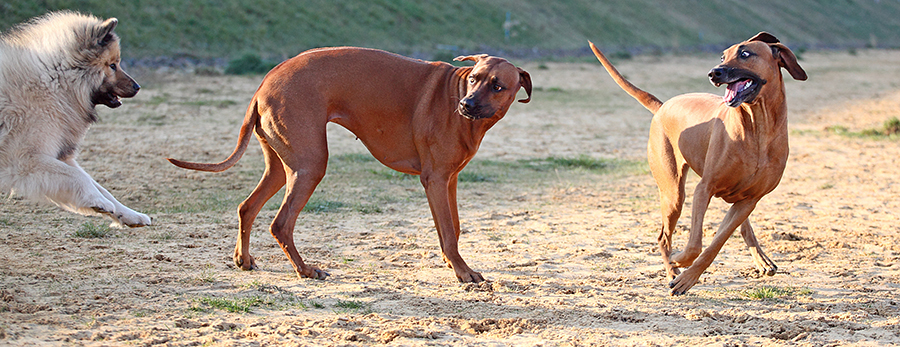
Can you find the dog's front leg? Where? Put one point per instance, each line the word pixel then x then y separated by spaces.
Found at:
pixel 446 220
pixel 694 244
pixel 736 216
pixel 121 214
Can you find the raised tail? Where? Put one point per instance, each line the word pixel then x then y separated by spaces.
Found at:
pixel 648 100
pixel 251 119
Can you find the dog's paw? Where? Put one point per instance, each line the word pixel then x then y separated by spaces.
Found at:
pixel 470 277
pixel 314 273
pixel 680 285
pixel 135 220
pixel 128 218
pixel 246 265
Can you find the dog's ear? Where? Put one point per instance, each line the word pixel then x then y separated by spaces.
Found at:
pixel 104 34
pixel 764 37
pixel 525 82
pixel 788 61
pixel 474 58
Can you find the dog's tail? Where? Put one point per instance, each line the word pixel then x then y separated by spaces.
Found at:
pixel 251 119
pixel 648 100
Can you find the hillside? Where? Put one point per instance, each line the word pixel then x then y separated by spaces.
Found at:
pixel 538 28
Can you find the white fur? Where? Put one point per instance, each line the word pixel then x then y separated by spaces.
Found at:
pixel 49 68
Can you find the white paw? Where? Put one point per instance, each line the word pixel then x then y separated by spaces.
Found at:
pixel 129 218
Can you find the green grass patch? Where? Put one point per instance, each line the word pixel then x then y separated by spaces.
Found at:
pixel 389 174
pixel 889 130
pixel 152 119
pixel 249 64
pixel 351 158
pixel 316 205
pixel 773 292
pixel 214 103
pixel 90 230
pixel 238 305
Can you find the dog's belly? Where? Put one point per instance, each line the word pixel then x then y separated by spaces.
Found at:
pixel 390 145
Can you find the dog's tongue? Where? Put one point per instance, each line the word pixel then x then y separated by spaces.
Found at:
pixel 733 89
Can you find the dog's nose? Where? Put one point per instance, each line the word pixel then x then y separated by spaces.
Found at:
pixel 135 86
pixel 716 73
pixel 467 104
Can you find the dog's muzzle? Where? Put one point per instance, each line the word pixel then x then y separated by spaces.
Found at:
pixel 743 85
pixel 469 109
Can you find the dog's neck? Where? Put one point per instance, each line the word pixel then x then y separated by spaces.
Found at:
pixel 765 121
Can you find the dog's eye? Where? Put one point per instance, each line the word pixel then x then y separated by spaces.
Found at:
pixel 722 58
pixel 112 66
pixel 471 80
pixel 745 54
pixel 498 87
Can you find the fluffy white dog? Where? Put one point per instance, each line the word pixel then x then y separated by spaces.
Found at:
pixel 54 71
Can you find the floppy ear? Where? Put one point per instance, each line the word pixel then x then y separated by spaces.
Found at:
pixel 764 37
pixel 525 82
pixel 474 58
pixel 788 61
pixel 104 34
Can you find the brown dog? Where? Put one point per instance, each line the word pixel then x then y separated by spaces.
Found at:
pixel 417 117
pixel 738 145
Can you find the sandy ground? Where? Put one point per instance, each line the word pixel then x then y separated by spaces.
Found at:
pixel 571 261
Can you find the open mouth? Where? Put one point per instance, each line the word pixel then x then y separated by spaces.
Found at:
pixel 742 85
pixel 741 91
pixel 111 100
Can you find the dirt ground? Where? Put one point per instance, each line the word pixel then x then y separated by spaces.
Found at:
pixel 570 260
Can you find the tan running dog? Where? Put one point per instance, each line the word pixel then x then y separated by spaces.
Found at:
pixel 737 144
pixel 416 117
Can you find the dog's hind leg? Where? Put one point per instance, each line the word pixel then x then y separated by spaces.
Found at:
pixel 671 205
pixel 65 185
pixel 304 152
pixel 670 178
pixel 763 263
pixel 270 183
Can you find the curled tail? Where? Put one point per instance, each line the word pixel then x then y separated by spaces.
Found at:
pixel 251 119
pixel 648 100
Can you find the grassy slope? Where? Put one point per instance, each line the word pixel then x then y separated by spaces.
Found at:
pixel 281 28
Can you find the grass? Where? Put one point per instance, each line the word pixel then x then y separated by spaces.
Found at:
pixel 238 305
pixel 90 230
pixel 889 130
pixel 358 183
pixel 773 292
pixel 274 30
pixel 344 306
pixel 279 301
